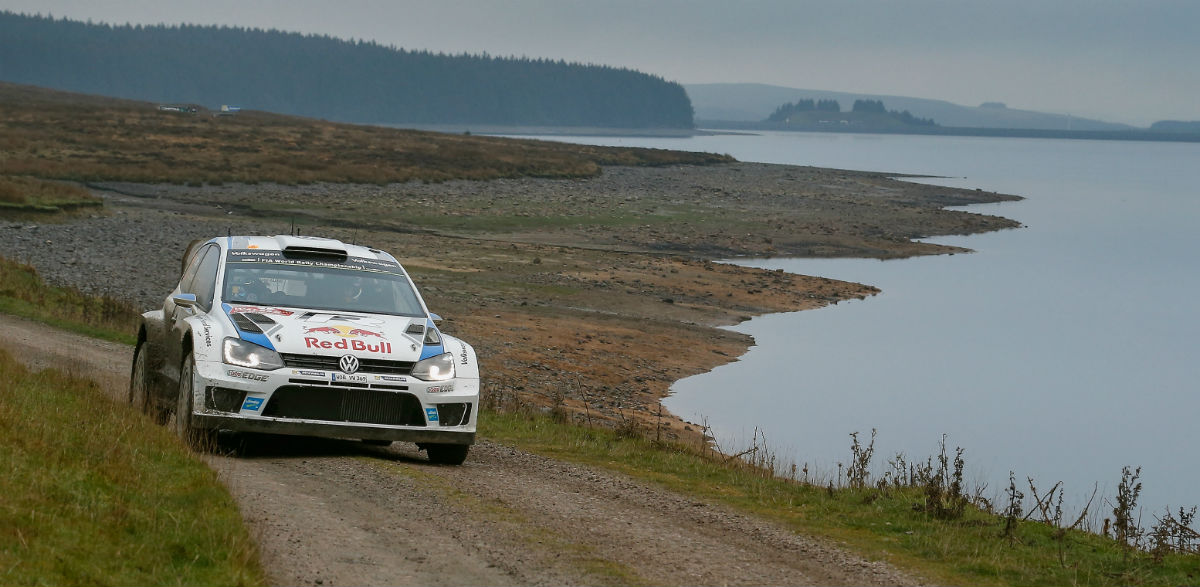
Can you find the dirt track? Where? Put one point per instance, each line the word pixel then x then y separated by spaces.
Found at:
pixel 343 513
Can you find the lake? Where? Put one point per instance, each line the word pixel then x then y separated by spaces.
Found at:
pixel 1063 350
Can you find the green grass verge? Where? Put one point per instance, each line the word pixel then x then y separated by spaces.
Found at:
pixel 881 524
pixel 23 293
pixel 29 194
pixel 96 494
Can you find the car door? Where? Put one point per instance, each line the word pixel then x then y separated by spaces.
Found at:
pixel 200 280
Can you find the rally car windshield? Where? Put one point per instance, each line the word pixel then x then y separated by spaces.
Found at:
pixel 320 287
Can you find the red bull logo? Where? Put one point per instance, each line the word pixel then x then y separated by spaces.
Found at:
pixel 347 344
pixel 348 339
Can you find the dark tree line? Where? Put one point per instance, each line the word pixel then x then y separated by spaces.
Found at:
pixel 803 105
pixel 869 106
pixel 325 77
pixel 876 106
pixel 1179 126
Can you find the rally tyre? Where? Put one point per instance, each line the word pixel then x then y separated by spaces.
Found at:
pixel 138 396
pixel 198 439
pixel 447 454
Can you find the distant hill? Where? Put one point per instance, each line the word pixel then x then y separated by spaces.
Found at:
pixel 755 102
pixel 1176 126
pixel 329 78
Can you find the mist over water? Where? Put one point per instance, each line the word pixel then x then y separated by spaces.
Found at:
pixel 1062 350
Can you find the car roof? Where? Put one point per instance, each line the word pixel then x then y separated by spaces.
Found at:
pixel 304 244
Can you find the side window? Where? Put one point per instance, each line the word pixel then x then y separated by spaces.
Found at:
pixel 205 284
pixel 189 273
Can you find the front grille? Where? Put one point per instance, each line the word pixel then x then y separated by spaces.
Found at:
pixel 333 404
pixel 350 384
pixel 328 363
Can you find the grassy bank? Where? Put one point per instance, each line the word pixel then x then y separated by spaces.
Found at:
pixel 97 494
pixel 24 196
pixel 23 293
pixel 948 542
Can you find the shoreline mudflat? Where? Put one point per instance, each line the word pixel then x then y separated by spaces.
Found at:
pixel 593 295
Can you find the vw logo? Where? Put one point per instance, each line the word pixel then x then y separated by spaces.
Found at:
pixel 349 364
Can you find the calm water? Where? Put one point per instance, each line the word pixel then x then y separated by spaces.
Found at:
pixel 1063 350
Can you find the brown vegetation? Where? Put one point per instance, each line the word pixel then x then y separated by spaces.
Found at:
pixel 57 135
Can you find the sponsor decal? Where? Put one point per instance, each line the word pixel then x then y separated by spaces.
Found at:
pixel 207 332
pixel 463 355
pixel 344 331
pixel 252 403
pixel 346 344
pixel 431 414
pixel 440 388
pixel 390 378
pixel 349 338
pixel 253 254
pixel 308 373
pixel 260 310
pixel 246 375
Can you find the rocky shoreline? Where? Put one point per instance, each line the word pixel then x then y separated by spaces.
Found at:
pixel 590 295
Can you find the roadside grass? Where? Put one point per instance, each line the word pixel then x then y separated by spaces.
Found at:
pixel 96 494
pixel 24 293
pixel 882 520
pixel 22 196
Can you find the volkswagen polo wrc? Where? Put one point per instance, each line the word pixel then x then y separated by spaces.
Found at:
pixel 304 336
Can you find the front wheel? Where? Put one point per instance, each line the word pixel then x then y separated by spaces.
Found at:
pixel 138 396
pixel 196 438
pixel 447 454
pixel 139 387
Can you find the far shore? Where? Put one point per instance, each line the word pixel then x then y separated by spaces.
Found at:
pixel 738 127
pixel 579 131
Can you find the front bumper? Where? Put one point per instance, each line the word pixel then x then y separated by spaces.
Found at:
pixel 325 429
pixel 306 402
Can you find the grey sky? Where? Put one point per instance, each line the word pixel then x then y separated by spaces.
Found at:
pixel 1122 61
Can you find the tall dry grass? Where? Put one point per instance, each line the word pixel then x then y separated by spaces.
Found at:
pixel 58 135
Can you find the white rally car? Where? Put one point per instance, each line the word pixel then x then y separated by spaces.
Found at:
pixel 304 336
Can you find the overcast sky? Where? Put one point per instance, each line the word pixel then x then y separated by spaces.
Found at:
pixel 1134 61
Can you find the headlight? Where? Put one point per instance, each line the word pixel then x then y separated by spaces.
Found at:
pixel 247 354
pixel 439 368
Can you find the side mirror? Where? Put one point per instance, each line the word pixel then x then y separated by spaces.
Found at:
pixel 435 317
pixel 184 300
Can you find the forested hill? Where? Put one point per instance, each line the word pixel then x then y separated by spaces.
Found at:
pixel 324 77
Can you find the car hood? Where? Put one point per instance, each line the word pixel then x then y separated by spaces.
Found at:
pixel 325 332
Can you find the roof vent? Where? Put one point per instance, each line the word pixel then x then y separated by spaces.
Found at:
pixel 311 247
